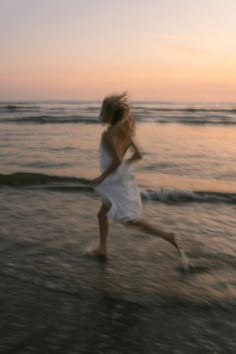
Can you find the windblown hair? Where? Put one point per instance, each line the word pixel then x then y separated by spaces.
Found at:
pixel 117 107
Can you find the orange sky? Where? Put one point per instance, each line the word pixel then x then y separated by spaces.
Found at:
pixel 157 50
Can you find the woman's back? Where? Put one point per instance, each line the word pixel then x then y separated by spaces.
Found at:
pixel 122 146
pixel 122 143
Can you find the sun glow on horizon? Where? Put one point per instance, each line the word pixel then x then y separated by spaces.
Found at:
pixel 158 51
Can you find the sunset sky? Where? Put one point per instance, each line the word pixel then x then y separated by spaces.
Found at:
pixel 181 50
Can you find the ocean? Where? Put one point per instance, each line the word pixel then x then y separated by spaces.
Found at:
pixel 48 220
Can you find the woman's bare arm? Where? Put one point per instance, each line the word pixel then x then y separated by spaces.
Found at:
pixel 136 153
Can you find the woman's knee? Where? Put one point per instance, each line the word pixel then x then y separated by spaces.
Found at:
pixel 101 215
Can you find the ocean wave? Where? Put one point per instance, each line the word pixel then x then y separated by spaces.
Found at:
pixel 78 184
pixel 137 106
pixel 49 119
pixel 184 109
pixel 13 107
pixel 183 196
pixel 21 179
pixel 86 112
pixel 203 121
pixel 88 117
pixel 188 120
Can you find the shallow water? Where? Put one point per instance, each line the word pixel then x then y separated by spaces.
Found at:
pixel 139 288
pixel 50 229
pixel 47 223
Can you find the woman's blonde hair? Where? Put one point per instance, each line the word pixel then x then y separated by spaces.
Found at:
pixel 118 108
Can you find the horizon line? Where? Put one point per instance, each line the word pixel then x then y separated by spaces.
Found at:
pixel 99 100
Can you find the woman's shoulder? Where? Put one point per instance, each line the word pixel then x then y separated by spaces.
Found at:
pixel 108 134
pixel 112 136
pixel 107 138
pixel 105 135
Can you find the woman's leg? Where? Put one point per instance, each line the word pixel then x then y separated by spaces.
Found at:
pixel 144 226
pixel 101 250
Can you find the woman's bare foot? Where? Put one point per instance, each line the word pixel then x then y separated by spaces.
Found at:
pixel 172 239
pixel 184 259
pixel 98 252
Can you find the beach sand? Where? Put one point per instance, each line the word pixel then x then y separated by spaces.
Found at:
pixel 39 320
pixel 55 299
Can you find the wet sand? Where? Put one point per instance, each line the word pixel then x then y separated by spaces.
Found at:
pixel 55 299
pixel 39 320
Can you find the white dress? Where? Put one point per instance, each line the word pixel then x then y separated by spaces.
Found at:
pixel 119 190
